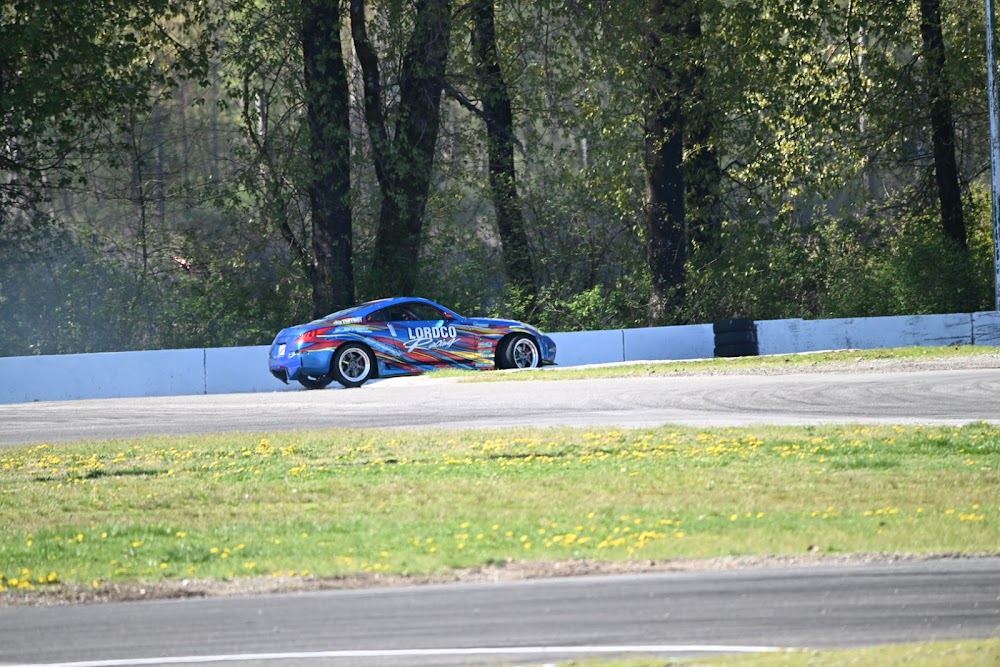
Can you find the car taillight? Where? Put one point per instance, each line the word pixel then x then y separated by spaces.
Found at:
pixel 310 336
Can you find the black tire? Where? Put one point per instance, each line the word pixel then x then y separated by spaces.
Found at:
pixel 320 382
pixel 727 326
pixel 519 351
pixel 735 338
pixel 353 365
pixel 737 350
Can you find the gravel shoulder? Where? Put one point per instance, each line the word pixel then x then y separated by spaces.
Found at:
pixel 783 366
pixel 514 570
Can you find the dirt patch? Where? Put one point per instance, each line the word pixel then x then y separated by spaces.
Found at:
pixel 784 365
pixel 862 365
pixel 514 570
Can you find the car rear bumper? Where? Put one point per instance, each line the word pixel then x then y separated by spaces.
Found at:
pixel 285 369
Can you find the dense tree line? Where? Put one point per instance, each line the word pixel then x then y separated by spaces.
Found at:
pixel 179 174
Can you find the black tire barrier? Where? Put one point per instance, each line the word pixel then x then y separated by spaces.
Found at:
pixel 728 326
pixel 737 350
pixel 736 338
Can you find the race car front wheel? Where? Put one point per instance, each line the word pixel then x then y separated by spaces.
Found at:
pixel 519 352
pixel 353 365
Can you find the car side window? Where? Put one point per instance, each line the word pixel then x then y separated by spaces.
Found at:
pixel 401 313
pixel 425 312
pixel 379 316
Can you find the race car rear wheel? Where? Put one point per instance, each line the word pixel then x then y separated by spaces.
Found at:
pixel 519 352
pixel 353 365
pixel 319 382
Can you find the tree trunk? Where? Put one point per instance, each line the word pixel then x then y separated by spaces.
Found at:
pixel 500 147
pixel 328 105
pixel 404 163
pixel 702 172
pixel 666 242
pixel 942 123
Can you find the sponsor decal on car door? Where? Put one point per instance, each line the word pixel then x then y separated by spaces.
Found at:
pixel 430 336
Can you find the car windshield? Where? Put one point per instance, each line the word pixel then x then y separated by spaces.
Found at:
pixel 346 312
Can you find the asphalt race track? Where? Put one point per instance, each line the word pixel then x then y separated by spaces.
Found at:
pixel 940 397
pixel 528 622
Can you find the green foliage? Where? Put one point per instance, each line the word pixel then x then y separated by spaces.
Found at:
pixel 905 264
pixel 75 300
pixel 53 304
pixel 457 267
pixel 620 306
pixel 71 70
pixel 821 131
pixel 759 270
pixel 892 259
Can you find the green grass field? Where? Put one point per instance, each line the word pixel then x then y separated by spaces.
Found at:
pixel 344 502
pixel 983 653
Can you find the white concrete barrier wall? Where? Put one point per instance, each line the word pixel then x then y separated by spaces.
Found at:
pixel 692 341
pixel 863 333
pixel 102 375
pixel 244 369
pixel 578 348
pixel 986 328
pixel 234 370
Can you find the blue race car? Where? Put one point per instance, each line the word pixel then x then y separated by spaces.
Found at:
pixel 401 336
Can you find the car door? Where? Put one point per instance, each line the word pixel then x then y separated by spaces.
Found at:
pixel 433 336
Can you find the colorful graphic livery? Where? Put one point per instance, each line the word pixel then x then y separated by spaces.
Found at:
pixel 401 336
